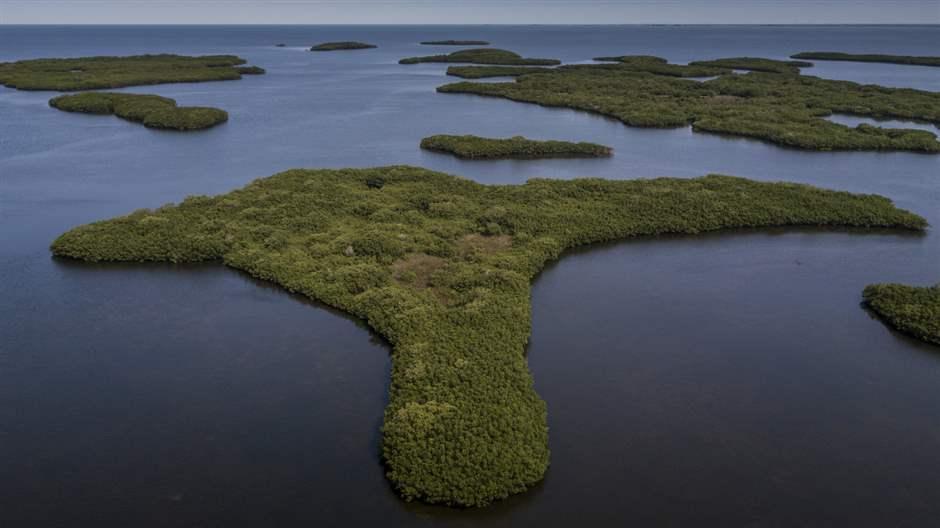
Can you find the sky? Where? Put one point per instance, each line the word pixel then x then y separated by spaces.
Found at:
pixel 469 11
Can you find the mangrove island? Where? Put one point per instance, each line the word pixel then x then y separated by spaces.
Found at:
pixel 659 66
pixel 755 64
pixel 483 56
pixel 149 110
pixel 851 57
pixel 455 43
pixel 340 46
pixel 786 108
pixel 476 147
pixel 94 73
pixel 480 72
pixel 441 267
pixel 910 309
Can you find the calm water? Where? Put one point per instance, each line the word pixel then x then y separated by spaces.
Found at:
pixel 724 380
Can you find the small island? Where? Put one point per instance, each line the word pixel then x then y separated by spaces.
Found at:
pixel 280 45
pixel 455 43
pixel 909 60
pixel 755 64
pixel 94 73
pixel 250 70
pixel 341 46
pixel 910 309
pixel 782 107
pixel 659 66
pixel 480 72
pixel 442 267
pixel 483 56
pixel 149 110
pixel 476 147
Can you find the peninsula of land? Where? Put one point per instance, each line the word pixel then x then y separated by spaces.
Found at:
pixel 442 266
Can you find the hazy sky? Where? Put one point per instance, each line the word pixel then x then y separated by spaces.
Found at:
pixel 467 12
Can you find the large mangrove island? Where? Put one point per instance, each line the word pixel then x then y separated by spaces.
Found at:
pixel 95 73
pixel 442 266
pixel 775 104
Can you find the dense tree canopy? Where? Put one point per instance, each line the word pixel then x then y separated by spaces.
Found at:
pixel 441 266
pixel 92 73
pixel 784 108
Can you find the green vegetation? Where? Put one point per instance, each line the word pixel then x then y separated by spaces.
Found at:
pixel 250 70
pixel 755 64
pixel 910 309
pixel 93 73
pixel 891 59
pixel 479 72
pixel 150 110
pixel 475 147
pixel 783 108
pixel 441 266
pixel 483 56
pixel 659 66
pixel 455 43
pixel 337 46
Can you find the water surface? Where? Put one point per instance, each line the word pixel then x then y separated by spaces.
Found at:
pixel 731 379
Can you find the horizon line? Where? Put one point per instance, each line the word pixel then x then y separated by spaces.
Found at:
pixel 492 24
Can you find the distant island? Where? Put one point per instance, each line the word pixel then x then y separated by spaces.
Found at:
pixel 850 57
pixel 756 64
pixel 779 105
pixel 480 72
pixel 150 110
pixel 476 147
pixel 442 267
pixel 339 46
pixel 483 56
pixel 455 43
pixel 910 309
pixel 655 65
pixel 94 73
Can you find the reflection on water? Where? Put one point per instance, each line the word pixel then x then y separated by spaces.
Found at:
pixel 729 379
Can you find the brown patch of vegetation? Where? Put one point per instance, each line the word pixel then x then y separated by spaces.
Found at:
pixel 487 245
pixel 416 269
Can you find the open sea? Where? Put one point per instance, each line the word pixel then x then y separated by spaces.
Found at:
pixel 724 380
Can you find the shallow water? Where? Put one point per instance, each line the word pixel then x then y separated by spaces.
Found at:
pixel 853 121
pixel 728 379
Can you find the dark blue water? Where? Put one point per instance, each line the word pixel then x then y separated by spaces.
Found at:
pixel 723 380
